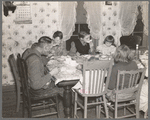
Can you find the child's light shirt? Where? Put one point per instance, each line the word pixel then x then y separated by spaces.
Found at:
pixel 105 50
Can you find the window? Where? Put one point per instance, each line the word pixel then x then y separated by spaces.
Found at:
pixel 78 29
pixel 138 30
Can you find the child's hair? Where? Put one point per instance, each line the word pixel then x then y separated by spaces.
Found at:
pixel 58 34
pixel 123 54
pixel 82 34
pixel 110 39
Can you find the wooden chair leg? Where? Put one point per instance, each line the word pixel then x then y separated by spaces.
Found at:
pixel 137 109
pixel 124 111
pixel 57 107
pixel 85 107
pixel 97 109
pixel 75 105
pixel 100 107
pixel 18 99
pixel 116 109
pixel 23 109
pixel 105 106
pixel 29 113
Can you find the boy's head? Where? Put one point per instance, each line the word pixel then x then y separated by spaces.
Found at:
pixel 57 36
pixel 84 36
pixel 109 40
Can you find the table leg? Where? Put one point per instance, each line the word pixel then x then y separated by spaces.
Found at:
pixel 67 101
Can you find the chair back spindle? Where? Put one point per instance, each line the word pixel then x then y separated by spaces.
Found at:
pixel 94 76
pixel 13 66
pixel 24 78
pixel 132 79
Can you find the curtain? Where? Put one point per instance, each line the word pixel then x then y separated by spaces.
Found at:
pixel 128 16
pixel 93 17
pixel 144 10
pixel 67 18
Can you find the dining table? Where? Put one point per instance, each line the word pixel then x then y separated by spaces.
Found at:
pixel 66 78
pixel 70 75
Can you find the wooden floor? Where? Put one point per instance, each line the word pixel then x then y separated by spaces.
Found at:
pixel 9 107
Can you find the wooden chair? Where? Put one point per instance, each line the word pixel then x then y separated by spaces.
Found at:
pixel 94 74
pixel 36 103
pixel 120 99
pixel 131 41
pixel 14 69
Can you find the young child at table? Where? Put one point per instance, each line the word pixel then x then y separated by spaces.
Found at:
pixel 83 45
pixel 123 60
pixel 58 44
pixel 108 47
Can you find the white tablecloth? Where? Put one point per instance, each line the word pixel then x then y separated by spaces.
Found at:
pixel 67 68
pixel 144 90
pixel 144 96
pixel 144 59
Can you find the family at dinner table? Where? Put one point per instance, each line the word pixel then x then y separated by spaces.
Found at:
pixel 42 79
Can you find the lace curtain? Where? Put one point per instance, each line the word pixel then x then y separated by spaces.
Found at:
pixel 144 10
pixel 93 17
pixel 67 18
pixel 128 17
pixel 98 23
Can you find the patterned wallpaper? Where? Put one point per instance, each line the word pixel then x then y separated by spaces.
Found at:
pixel 45 21
pixel 18 37
pixel 110 23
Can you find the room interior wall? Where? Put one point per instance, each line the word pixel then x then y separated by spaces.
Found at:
pixel 18 37
pixel 45 21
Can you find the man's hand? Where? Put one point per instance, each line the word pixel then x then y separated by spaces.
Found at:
pixel 49 56
pixel 55 71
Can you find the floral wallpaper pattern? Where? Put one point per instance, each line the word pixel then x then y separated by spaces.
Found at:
pixel 110 22
pixel 18 37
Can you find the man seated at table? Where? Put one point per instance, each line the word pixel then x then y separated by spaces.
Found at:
pixel 40 81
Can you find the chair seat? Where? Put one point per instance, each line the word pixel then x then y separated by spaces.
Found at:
pixel 52 93
pixel 121 97
pixel 89 95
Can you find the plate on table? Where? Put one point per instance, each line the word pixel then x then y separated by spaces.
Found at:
pixel 104 56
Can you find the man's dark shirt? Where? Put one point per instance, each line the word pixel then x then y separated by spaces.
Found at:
pixel 36 72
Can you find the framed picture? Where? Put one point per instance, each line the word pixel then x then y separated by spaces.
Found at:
pixel 108 3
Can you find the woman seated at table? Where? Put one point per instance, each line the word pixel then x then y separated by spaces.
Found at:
pixel 108 47
pixel 83 45
pixel 123 60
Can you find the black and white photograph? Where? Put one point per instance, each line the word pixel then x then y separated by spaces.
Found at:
pixel 75 59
